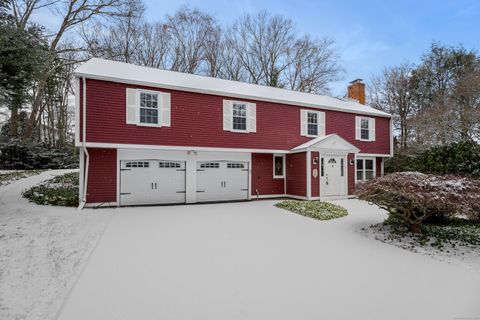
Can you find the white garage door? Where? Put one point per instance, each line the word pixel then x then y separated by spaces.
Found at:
pixel 222 181
pixel 152 182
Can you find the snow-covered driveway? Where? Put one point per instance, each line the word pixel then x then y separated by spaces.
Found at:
pixel 253 261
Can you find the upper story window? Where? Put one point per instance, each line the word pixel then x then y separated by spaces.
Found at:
pixel 365 169
pixel 239 116
pixel 312 123
pixel 364 128
pixel 147 108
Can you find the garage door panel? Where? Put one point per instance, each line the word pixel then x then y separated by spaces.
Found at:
pixel 152 182
pixel 222 181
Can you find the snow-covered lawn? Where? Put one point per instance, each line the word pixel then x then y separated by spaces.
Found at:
pixel 42 250
pixel 219 261
pixel 254 261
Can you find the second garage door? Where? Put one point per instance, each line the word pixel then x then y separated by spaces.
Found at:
pixel 222 181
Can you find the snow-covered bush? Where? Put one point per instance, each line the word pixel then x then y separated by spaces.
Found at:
pixel 416 197
pixel 59 191
pixel 313 209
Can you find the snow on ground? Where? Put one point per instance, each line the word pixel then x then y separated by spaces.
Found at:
pixel 42 250
pixel 464 256
pixel 254 261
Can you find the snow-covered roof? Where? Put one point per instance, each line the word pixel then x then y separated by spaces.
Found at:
pixel 332 142
pixel 102 69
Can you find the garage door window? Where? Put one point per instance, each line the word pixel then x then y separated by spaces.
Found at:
pixel 235 166
pixel 210 165
pixel 137 164
pixel 169 165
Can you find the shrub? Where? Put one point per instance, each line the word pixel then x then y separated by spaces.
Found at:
pixel 460 158
pixel 415 197
pixel 18 156
pixel 59 191
pixel 313 209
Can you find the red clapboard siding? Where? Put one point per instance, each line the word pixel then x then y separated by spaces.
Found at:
pixel 315 181
pixel 297 174
pixel 196 120
pixel 378 169
pixel 102 176
pixel 262 175
pixel 351 173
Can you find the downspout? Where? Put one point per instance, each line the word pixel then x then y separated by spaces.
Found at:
pixel 84 143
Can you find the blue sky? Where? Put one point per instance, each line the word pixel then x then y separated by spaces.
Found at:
pixel 369 34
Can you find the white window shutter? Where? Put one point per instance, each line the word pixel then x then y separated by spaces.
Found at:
pixel 303 122
pixel 227 115
pixel 131 102
pixel 252 117
pixel 371 126
pixel 164 109
pixel 321 123
pixel 358 128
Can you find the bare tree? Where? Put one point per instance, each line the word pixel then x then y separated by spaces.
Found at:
pixel 313 65
pixel 190 30
pixel 261 42
pixel 390 92
pixel 73 13
pixel 153 45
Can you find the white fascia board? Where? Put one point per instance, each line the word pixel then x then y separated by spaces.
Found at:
pixel 230 95
pixel 181 148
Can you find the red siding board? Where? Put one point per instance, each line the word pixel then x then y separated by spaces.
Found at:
pixel 297 174
pixel 196 120
pixel 262 176
pixel 351 173
pixel 315 159
pixel 102 175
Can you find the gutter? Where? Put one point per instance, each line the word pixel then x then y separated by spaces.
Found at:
pixel 84 145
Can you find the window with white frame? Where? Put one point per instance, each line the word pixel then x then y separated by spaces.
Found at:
pixel 365 169
pixel 312 124
pixel 148 108
pixel 364 128
pixel 239 116
pixel 278 166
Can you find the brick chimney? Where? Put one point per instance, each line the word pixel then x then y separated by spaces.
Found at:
pixel 356 91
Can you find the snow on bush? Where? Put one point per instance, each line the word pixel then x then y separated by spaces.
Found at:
pixel 416 197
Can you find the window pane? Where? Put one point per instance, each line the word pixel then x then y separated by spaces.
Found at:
pixel 364 124
pixel 239 123
pixel 359 163
pixel 322 168
pixel 148 115
pixel 365 134
pixel 279 166
pixel 368 175
pixel 312 129
pixel 359 175
pixel 239 116
pixel 341 167
pixel 369 164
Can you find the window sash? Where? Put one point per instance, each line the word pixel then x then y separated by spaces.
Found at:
pixel 365 169
pixel 239 117
pixel 148 108
pixel 312 124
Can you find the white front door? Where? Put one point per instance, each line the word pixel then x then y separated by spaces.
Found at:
pixel 152 182
pixel 333 176
pixel 222 181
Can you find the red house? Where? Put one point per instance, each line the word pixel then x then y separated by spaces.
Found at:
pixel 150 136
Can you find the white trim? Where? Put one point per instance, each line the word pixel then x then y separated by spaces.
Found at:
pixel 77 111
pixel 361 157
pixel 207 85
pixel 179 148
pixel 391 137
pixel 268 196
pixel 373 155
pixel 309 174
pixel 283 166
